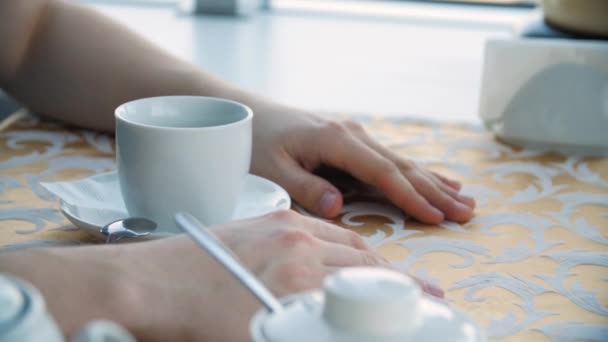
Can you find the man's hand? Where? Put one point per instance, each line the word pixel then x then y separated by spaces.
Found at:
pixel 171 290
pixel 289 146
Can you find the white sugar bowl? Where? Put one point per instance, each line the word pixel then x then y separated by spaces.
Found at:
pixel 24 318
pixel 364 305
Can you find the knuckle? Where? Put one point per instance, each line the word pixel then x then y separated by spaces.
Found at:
pixel 406 164
pixel 284 215
pixel 387 168
pixel 293 238
pixel 445 200
pixel 385 173
pixel 370 259
pixel 335 127
pixel 353 125
pixel 356 240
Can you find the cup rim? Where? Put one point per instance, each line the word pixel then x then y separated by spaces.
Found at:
pixel 119 117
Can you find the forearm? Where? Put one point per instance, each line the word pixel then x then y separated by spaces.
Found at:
pixel 79 65
pixel 161 290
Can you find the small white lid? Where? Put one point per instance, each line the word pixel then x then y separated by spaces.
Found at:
pixel 370 301
pixel 364 305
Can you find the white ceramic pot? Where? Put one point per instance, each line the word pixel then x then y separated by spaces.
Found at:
pixel 550 94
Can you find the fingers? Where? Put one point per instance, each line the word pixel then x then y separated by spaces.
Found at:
pixel 426 286
pixel 449 182
pixel 442 199
pixel 430 288
pixel 469 201
pixel 337 255
pixel 291 222
pixel 438 190
pixel 426 196
pixel 313 192
pixel 318 248
pixel 356 157
pixel 335 234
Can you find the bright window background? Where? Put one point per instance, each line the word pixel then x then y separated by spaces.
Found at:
pixel 490 2
pixel 345 2
pixel 395 58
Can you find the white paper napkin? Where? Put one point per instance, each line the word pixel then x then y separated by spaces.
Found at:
pixel 101 192
pixel 96 201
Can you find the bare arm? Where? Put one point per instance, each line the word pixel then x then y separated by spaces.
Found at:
pixel 170 290
pixel 67 61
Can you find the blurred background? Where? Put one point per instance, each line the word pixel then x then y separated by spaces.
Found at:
pixel 395 58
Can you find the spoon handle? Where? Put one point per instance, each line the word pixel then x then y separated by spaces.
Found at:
pixel 219 252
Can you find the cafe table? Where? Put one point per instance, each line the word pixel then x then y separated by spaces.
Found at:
pixel 532 265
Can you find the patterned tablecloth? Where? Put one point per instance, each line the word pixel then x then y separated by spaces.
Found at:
pixel 531 265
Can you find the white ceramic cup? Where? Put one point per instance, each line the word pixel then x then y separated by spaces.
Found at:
pixel 182 153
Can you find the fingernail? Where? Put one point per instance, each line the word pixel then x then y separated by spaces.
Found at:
pixel 433 290
pixel 470 201
pixel 328 200
pixel 463 206
pixel 437 212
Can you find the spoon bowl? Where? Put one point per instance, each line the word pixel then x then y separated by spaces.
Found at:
pixel 131 227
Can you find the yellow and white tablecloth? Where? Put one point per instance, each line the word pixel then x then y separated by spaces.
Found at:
pixel 531 265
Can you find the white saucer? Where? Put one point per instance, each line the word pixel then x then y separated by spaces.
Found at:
pixel 260 196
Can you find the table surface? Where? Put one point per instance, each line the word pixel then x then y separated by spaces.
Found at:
pixel 531 265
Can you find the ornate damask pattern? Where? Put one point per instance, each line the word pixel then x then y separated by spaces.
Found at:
pixel 531 265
